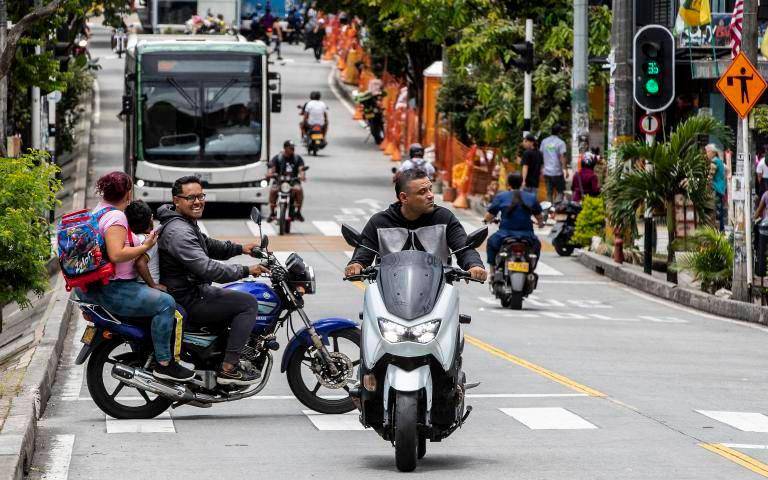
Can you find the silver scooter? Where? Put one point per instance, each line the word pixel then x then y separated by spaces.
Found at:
pixel 411 385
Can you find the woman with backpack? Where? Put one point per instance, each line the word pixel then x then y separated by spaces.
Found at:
pixel 123 295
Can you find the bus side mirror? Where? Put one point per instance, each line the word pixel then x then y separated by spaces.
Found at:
pixel 277 102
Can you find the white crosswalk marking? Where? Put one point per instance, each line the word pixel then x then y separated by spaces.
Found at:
pixel 60 455
pixel 329 229
pixel 266 228
pixel 346 422
pixel 282 257
pixel 744 421
pixel 163 423
pixel 202 228
pixel 469 227
pixel 550 418
pixel 545 270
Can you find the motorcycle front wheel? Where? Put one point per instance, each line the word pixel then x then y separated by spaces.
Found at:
pixel 563 248
pixel 306 384
pixel 406 430
pixel 285 225
pixel 111 395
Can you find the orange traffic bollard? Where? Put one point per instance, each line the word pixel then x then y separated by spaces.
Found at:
pixel 358 115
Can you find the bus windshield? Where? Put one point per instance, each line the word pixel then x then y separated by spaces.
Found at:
pixel 202 120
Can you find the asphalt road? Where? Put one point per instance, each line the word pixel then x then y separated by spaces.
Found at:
pixel 591 380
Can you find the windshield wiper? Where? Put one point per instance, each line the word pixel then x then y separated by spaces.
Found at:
pixel 220 93
pixel 182 92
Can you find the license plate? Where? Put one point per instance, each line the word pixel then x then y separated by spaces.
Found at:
pixel 369 115
pixel 88 334
pixel 317 136
pixel 517 266
pixel 561 217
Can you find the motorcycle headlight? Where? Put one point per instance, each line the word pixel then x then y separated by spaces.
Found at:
pixel 285 187
pixel 421 333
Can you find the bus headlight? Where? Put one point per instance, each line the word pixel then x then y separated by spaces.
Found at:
pixel 396 333
pixel 264 183
pixel 140 183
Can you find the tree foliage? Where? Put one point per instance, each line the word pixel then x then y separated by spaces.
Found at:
pixel 711 261
pixel 27 193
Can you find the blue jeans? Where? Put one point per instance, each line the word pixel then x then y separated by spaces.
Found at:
pixel 720 209
pixel 133 299
pixel 497 239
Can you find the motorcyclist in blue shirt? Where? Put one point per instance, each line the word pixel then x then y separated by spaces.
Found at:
pixel 516 207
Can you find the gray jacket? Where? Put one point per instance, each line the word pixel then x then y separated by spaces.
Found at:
pixel 190 259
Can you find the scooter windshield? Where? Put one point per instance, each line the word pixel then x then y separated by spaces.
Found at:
pixel 410 282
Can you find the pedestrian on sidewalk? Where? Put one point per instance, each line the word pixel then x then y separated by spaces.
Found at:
pixel 554 150
pixel 532 161
pixel 717 173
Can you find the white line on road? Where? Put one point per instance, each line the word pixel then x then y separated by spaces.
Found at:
pixel 202 228
pixel 525 395
pixel 96 102
pixel 163 423
pixel 73 383
pixel 266 228
pixel 468 227
pixel 327 228
pixel 346 104
pixel 60 456
pixel 744 421
pixel 282 257
pixel 573 282
pixel 551 418
pixel 545 270
pixel 745 446
pixel 345 422
pixel 349 253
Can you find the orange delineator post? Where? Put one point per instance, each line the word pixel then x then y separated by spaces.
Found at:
pixel 461 200
pixel 358 115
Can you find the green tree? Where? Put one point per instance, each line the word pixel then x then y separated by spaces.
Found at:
pixel 27 193
pixel 651 176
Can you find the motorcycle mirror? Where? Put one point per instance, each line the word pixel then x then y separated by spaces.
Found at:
pixel 394 170
pixel 264 242
pixel 476 238
pixel 256 215
pixel 351 236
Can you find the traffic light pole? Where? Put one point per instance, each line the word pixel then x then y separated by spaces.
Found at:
pixel 528 88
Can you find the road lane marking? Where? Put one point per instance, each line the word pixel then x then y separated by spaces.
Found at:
pixel 163 423
pixel 202 228
pixel 548 418
pixel 282 257
pixel 346 422
pixel 468 227
pixel 737 457
pixel 96 102
pixel 745 446
pixel 744 421
pixel 73 383
pixel 332 84
pixel 556 377
pixel 266 228
pixel 573 282
pixel 339 397
pixel 545 270
pixel 349 253
pixel 327 228
pixel 60 456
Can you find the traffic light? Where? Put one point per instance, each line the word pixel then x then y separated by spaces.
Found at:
pixel 525 52
pixel 654 68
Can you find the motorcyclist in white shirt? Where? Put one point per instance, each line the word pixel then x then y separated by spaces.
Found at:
pixel 315 113
pixel 416 160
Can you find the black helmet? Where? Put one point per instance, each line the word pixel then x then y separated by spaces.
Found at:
pixel 314 95
pixel 416 150
pixel 589 160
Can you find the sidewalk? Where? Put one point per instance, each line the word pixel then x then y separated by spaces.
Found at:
pixel 32 339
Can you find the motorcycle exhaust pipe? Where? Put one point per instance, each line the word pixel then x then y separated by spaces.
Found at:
pixel 139 378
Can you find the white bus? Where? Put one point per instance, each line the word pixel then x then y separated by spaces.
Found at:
pixel 198 105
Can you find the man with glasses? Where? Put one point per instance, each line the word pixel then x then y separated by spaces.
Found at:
pixel 190 262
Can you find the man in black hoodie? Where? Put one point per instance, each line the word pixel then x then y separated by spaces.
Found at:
pixel 190 262
pixel 415 209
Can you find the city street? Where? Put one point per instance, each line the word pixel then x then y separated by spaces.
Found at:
pixel 590 380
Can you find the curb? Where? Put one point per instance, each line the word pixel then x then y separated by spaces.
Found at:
pixel 344 89
pixel 669 291
pixel 19 433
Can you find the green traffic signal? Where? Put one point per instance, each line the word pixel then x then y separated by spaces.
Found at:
pixel 652 86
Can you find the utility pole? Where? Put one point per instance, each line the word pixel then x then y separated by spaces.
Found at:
pixel 528 87
pixel 36 137
pixel 742 267
pixel 622 31
pixel 579 100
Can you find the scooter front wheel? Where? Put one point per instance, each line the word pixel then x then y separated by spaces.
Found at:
pixel 406 430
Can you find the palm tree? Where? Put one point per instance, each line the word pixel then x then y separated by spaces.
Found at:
pixel 651 175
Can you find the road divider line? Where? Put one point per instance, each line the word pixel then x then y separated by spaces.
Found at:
pixel 556 377
pixel 328 228
pixel 737 457
pixel 266 228
pixel 57 466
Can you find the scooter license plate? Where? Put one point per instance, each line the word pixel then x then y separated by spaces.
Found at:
pixel 517 266
pixel 317 136
pixel 369 115
pixel 88 334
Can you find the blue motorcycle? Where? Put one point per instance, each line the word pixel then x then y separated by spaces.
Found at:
pixel 320 359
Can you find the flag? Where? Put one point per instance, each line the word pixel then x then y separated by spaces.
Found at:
pixel 735 28
pixel 695 13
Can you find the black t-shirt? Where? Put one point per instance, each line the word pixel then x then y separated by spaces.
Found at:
pixel 287 165
pixel 534 159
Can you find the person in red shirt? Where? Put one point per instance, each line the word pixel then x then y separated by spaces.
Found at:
pixel 585 181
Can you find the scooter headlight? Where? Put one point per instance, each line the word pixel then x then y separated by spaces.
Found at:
pixel 421 333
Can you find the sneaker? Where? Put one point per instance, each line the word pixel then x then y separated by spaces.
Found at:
pixel 237 376
pixel 173 371
pixel 299 217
